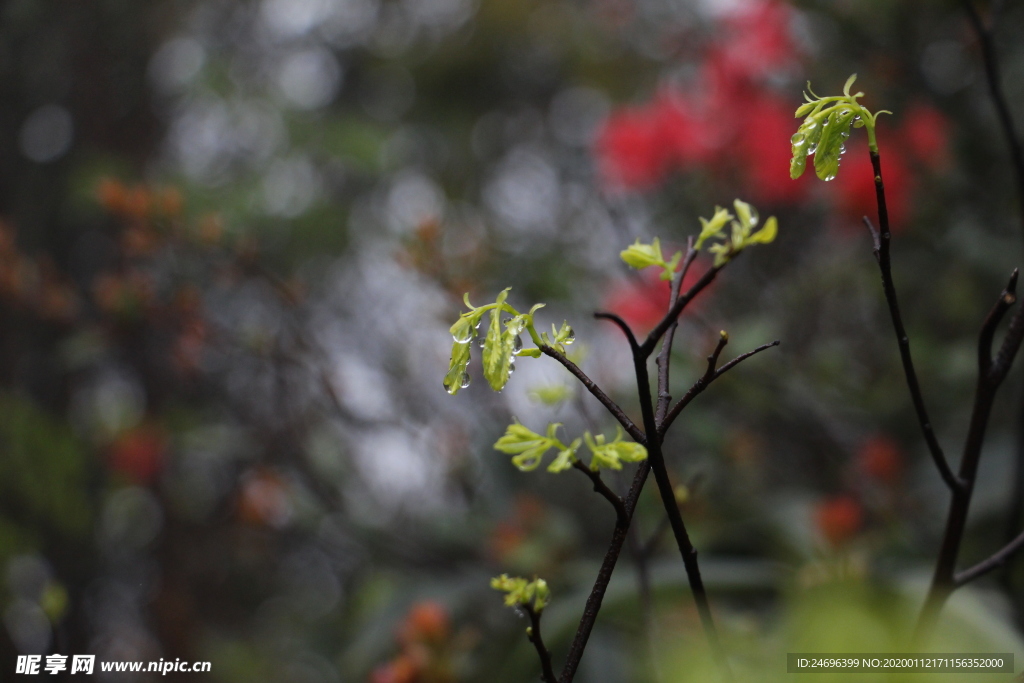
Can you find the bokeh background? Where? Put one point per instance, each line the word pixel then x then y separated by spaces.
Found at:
pixel 233 236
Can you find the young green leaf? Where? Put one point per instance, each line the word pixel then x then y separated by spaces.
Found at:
pixel 765 235
pixel 826 127
pixel 518 591
pixel 457 376
pixel 529 447
pixel 713 228
pixel 612 454
pixel 742 232
pixel 498 349
pixel 835 131
pixel 639 256
pixel 566 457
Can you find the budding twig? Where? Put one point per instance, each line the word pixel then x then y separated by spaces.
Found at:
pixel 533 633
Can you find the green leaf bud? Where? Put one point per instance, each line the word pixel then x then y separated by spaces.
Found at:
pixel 457 376
pixel 713 228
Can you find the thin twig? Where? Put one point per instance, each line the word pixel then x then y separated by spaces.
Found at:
pixel 598 393
pixel 882 243
pixel 654 335
pixel 601 487
pixel 991 373
pixel 604 576
pixel 994 561
pixel 663 361
pixel 622 325
pixel 683 542
pixel 995 88
pixel 706 379
pixel 533 633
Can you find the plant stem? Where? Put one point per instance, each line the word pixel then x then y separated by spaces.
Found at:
pixel 991 373
pixel 664 358
pixel 995 88
pixel 547 673
pixel 604 576
pixel 685 545
pixel 883 237
pixel 598 393
pixel 602 488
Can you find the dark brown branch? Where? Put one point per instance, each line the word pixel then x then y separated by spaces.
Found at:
pixel 622 325
pixel 663 361
pixel 604 576
pixel 673 314
pixel 885 266
pixel 683 542
pixel 600 487
pixel 994 561
pixel 995 90
pixel 991 373
pixel 992 320
pixel 709 376
pixel 598 393
pixel 533 633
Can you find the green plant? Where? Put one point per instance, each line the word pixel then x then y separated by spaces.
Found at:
pixel 502 345
pixel 827 124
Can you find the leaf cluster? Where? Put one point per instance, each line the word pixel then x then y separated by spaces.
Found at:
pixel 533 595
pixel 502 342
pixel 529 448
pixel 639 256
pixel 742 234
pixel 825 130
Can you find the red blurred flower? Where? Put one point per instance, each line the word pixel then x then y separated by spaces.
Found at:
pixel 839 518
pixel 631 150
pixel 638 146
pixel 758 40
pixel 714 122
pixel 139 453
pixel 925 136
pixel 880 459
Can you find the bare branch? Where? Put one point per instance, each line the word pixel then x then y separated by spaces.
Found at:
pixel 652 338
pixel 604 576
pixel 533 633
pixel 994 561
pixel 622 326
pixel 664 397
pixel 683 542
pixel 988 327
pixel 706 379
pixel 991 374
pixel 995 90
pixel 884 265
pixel 598 393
